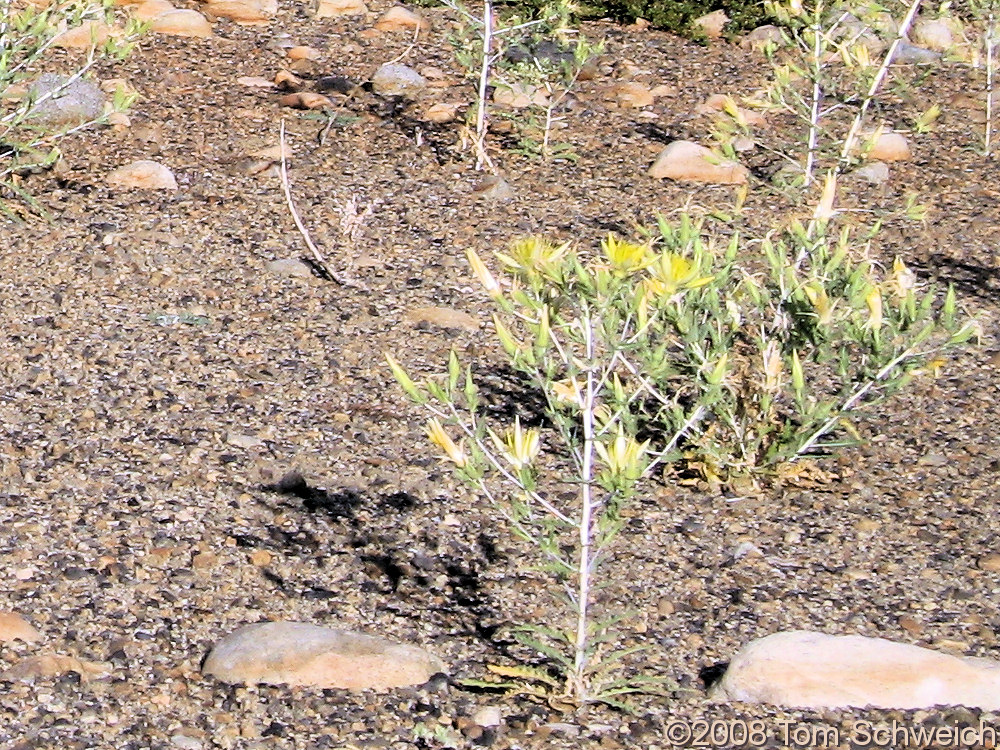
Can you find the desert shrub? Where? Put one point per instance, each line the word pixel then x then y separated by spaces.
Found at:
pixel 730 358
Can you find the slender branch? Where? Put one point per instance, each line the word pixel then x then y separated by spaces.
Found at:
pixel 855 130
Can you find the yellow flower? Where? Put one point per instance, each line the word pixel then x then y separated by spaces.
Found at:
pixel 483 273
pixel 821 303
pixel 455 452
pixel 519 446
pixel 773 367
pixel 626 257
pixel 874 302
pixel 567 392
pixel 672 272
pixel 623 456
pixel 902 281
pixel 533 255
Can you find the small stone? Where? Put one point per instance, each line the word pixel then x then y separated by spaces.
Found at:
pixel 494 187
pixel 13 627
pixel 519 95
pixel 441 112
pixel 256 82
pixel 911 625
pixel 801 669
pixel 393 79
pixel 933 34
pixel 204 560
pixel 910 54
pixel 83 36
pixel 867 526
pixel 488 716
pixel 51 665
pixel 184 22
pixel 989 562
pixel 633 94
pixel 290 267
pixel 762 37
pixel 186 742
pixel 286 80
pixel 443 317
pixel 688 161
pixel 712 24
pixel 399 18
pixel 150 9
pixel 143 174
pixel 335 8
pixel 303 53
pixel 59 100
pixel 239 439
pixel 261 558
pixel 295 653
pixel 244 12
pixel 890 146
pixel 305 100
pixel 876 172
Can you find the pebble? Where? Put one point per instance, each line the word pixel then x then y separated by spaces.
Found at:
pixel 802 669
pixel 876 172
pixel 911 54
pixel 150 9
pixel 290 267
pixel 441 112
pixel 443 317
pixel 13 627
pixel 335 8
pixel 890 146
pixel 399 18
pixel 688 161
pixel 933 33
pixel 989 562
pixel 494 187
pixel 393 79
pixel 144 174
pixel 633 94
pixel 296 653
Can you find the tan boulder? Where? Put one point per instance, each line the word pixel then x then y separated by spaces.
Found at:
pixel 84 35
pixel 181 22
pixel 150 9
pixel 243 12
pixel 144 174
pixel 296 653
pixel 13 627
pixel 335 8
pixel 690 162
pixel 399 18
pixel 889 146
pixel 712 24
pixel 803 669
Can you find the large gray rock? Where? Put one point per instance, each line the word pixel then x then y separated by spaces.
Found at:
pixel 803 669
pixel 59 100
pixel 297 653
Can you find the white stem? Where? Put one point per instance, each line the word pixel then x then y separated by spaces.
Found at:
pixel 817 95
pixel 484 77
pixel 853 133
pixel 578 678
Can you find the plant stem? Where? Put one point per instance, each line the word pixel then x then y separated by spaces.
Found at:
pixel 854 132
pixel 578 677
pixel 817 94
pixel 484 77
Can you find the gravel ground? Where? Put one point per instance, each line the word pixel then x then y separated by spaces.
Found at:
pixel 159 382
